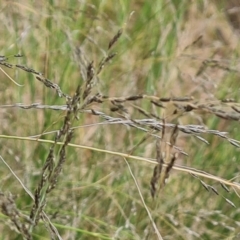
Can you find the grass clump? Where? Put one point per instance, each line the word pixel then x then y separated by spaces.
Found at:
pixel 119 120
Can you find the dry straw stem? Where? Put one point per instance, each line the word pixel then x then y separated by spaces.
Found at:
pixel 10 78
pixel 144 204
pixel 138 158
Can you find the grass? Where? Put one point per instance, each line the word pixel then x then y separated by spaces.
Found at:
pixel 125 125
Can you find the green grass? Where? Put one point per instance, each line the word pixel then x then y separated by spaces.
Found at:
pixel 96 195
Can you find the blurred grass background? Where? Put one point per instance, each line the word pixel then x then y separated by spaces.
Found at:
pixel 161 52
